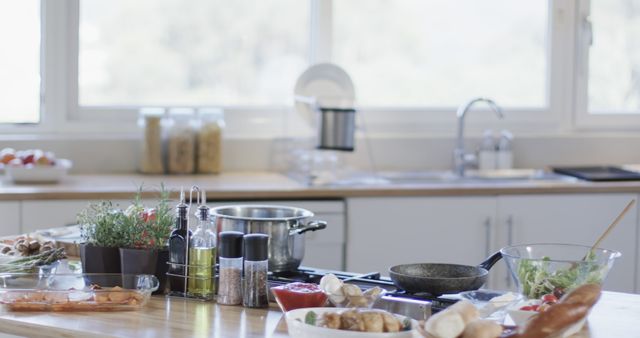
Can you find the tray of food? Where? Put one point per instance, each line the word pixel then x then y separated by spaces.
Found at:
pixel 75 292
pixel 33 166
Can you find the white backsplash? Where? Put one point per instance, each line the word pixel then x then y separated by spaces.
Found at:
pixel 119 154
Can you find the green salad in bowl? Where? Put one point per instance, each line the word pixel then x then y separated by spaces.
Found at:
pixel 540 269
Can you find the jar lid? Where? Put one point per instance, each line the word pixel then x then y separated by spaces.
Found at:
pixel 256 247
pixel 181 112
pixel 151 111
pixel 211 111
pixel 230 244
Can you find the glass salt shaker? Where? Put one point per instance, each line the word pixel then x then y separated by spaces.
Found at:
pixel 256 264
pixel 230 280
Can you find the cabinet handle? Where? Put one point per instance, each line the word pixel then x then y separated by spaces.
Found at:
pixel 487 236
pixel 509 242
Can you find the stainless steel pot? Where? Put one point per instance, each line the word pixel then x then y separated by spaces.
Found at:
pixel 284 225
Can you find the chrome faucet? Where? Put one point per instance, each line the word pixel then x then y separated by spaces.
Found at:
pixel 462 159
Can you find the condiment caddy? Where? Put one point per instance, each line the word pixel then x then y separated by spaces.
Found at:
pixel 192 256
pixel 192 263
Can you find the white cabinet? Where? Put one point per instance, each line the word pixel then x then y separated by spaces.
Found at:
pixel 571 218
pixel 324 249
pixel 45 214
pixel 9 218
pixel 383 232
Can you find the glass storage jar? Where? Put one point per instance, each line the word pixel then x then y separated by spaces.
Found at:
pixel 181 141
pixel 150 121
pixel 209 157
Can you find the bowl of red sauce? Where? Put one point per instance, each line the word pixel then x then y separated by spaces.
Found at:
pixel 298 295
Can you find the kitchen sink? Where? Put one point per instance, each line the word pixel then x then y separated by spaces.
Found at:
pixel 512 176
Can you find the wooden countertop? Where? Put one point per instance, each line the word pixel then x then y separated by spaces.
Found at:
pixel 616 315
pixel 266 185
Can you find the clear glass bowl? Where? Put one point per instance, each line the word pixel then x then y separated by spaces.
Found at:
pixel 540 269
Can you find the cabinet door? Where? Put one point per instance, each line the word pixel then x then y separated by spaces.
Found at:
pixel 45 214
pixel 9 218
pixel 576 219
pixel 382 232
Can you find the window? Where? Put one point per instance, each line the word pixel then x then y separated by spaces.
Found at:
pixel 20 61
pixel 439 53
pixel 200 52
pixel 412 61
pixel 614 57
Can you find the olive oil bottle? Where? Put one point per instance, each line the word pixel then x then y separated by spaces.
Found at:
pixel 202 256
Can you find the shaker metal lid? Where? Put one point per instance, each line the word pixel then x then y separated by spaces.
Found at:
pixel 230 244
pixel 256 247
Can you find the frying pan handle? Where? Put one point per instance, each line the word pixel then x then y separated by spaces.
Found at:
pixel 489 262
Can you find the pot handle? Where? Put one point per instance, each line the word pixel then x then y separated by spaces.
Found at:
pixel 489 262
pixel 311 226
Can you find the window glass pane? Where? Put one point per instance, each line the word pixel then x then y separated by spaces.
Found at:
pixel 170 52
pixel 614 58
pixel 20 61
pixel 440 53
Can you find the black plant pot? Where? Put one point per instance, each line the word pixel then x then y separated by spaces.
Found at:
pixel 99 259
pixel 145 261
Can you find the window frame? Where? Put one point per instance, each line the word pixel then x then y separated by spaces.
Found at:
pixel 565 109
pixel 584 119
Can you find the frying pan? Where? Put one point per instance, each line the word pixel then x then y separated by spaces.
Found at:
pixel 437 279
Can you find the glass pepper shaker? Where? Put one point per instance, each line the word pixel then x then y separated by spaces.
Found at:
pixel 230 280
pixel 256 264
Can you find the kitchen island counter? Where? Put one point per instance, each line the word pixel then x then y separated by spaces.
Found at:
pixel 269 185
pixel 616 315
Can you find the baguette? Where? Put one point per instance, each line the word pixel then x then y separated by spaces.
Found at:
pixel 570 310
pixel 585 294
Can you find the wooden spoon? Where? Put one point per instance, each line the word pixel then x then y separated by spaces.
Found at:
pixel 611 226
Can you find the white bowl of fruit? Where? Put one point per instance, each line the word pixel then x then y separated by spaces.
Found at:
pixel 33 166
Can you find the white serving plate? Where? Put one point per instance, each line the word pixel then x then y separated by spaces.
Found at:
pixel 298 328
pixel 38 173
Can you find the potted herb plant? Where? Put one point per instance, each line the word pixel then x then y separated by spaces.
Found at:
pixel 101 228
pixel 145 232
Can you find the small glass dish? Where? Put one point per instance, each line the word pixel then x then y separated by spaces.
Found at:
pixel 492 304
pixel 298 295
pixel 75 292
pixel 352 296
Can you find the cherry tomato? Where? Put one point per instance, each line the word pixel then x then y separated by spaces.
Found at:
pixel 549 298
pixel 527 308
pixel 535 307
pixel 149 215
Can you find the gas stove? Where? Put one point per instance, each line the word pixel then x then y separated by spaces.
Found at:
pixel 417 306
